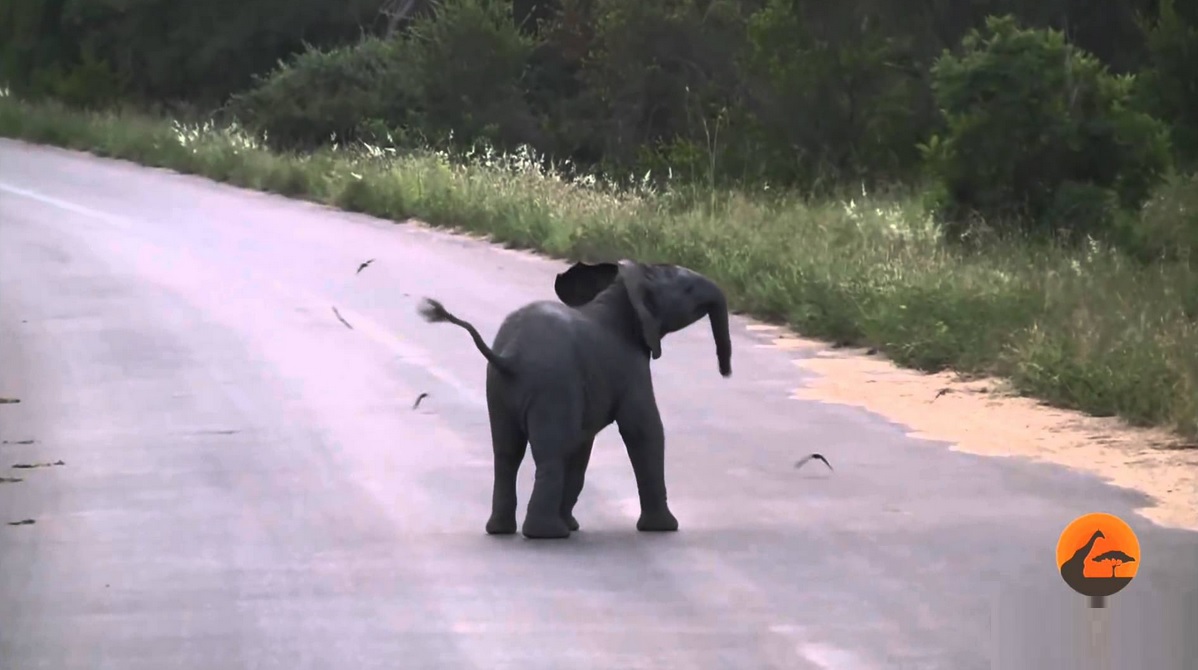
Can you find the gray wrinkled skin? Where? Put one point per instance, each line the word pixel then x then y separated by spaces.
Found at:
pixel 560 373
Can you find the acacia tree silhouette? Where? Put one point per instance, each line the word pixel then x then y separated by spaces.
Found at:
pixel 1116 557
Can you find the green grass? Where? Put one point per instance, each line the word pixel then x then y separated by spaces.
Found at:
pixel 1085 329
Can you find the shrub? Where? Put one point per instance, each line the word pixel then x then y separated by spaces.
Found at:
pixel 89 83
pixel 470 60
pixel 656 79
pixel 203 51
pixel 1167 228
pixel 1036 131
pixel 1170 85
pixel 823 106
pixel 457 72
pixel 321 94
pixel 39 57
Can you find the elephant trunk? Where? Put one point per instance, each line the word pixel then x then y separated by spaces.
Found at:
pixel 717 314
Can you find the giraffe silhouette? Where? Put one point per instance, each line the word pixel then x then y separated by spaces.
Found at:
pixel 1074 569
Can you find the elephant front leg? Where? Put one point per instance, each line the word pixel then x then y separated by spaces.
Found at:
pixel 576 472
pixel 644 438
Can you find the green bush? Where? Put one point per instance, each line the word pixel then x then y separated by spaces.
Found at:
pixel 659 78
pixel 470 61
pixel 1170 85
pixel 825 107
pixel 1167 228
pixel 90 83
pixel 204 51
pixel 324 94
pixel 455 74
pixel 30 41
pixel 1036 130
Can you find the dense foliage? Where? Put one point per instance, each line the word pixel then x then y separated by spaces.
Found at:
pixel 1062 147
pixel 163 50
pixel 1047 115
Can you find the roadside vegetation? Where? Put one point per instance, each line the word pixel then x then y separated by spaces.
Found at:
pixel 957 188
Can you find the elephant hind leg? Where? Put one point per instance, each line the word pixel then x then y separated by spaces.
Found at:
pixel 554 433
pixel 509 442
pixel 576 472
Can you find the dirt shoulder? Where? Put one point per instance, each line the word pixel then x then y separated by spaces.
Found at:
pixel 983 417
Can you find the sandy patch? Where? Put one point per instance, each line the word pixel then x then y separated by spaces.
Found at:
pixel 984 417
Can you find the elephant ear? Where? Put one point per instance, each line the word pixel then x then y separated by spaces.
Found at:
pixel 640 293
pixel 583 281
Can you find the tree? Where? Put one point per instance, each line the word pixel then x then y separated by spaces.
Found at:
pixel 205 50
pixel 1116 557
pixel 1039 134
pixel 1170 85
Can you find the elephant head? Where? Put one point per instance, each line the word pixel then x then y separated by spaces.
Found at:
pixel 665 298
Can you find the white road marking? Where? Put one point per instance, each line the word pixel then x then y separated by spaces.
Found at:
pixel 119 221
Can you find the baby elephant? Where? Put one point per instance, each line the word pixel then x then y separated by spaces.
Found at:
pixel 558 374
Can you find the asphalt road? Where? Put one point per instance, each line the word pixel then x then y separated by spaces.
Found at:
pixel 246 485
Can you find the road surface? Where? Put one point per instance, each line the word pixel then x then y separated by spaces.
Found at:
pixel 246 485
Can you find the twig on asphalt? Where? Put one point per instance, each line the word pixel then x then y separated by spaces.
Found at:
pixel 342 320
pixel 30 466
pixel 818 457
pixel 10 480
pixel 364 266
pixel 9 401
pixel 420 397
pixel 24 522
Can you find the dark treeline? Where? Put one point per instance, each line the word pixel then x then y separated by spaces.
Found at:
pixel 1015 120
pixel 89 51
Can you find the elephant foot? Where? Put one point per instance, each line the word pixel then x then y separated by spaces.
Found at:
pixel 547 529
pixel 499 525
pixel 661 521
pixel 571 522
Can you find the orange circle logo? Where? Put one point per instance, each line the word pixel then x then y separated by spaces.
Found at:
pixel 1098 554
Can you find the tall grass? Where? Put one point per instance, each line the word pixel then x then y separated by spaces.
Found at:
pixel 1088 329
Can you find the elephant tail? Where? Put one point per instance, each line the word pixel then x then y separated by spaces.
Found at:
pixel 435 312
